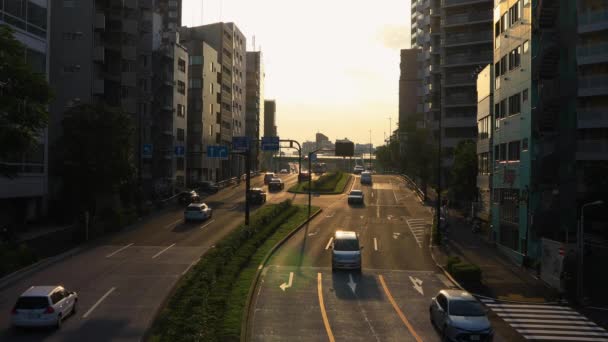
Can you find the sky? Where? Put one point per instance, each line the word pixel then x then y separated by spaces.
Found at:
pixel 331 65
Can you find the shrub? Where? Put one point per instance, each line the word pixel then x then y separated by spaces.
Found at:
pixel 15 257
pixel 467 273
pixel 451 261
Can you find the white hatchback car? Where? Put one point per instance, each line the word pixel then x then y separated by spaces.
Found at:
pixel 197 211
pixel 43 306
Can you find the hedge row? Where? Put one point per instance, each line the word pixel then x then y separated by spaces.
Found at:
pixel 462 271
pixel 13 258
pixel 332 182
pixel 197 308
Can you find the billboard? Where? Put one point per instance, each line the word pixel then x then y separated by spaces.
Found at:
pixel 345 148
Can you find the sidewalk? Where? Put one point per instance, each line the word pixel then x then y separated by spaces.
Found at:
pixel 501 279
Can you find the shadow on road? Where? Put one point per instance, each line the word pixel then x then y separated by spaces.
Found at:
pixel 366 286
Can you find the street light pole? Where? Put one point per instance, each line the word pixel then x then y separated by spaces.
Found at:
pixel 581 249
pixel 370 149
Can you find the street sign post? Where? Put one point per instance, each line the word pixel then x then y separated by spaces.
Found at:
pixel 313 158
pixel 217 151
pixel 240 144
pixel 270 143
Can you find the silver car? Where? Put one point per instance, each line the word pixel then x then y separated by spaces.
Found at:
pixel 460 317
pixel 346 252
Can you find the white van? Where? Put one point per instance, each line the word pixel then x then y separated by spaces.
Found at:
pixel 346 252
pixel 366 177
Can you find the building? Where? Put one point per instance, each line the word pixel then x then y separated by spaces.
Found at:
pixel 364 148
pixel 409 83
pixel 230 43
pixel 203 111
pixel 255 105
pixel 485 110
pixel 323 142
pixel 25 197
pixel 270 117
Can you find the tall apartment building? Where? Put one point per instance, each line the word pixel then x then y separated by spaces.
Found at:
pixel 485 110
pixel 255 104
pixel 408 87
pixel 25 196
pixel 230 43
pixel 270 117
pixel 455 42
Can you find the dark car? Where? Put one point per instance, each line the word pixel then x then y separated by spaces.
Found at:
pixel 257 196
pixel 209 187
pixel 276 184
pixel 188 197
pixel 304 176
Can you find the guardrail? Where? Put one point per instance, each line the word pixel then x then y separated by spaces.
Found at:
pixel 413 184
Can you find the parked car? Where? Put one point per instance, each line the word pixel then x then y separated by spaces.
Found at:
pixel 209 187
pixel 43 306
pixel 346 252
pixel 268 176
pixel 187 197
pixel 284 171
pixel 197 212
pixel 355 196
pixel 460 317
pixel 257 196
pixel 358 169
pixel 276 184
pixel 304 176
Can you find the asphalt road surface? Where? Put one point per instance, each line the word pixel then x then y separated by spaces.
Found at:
pixel 122 280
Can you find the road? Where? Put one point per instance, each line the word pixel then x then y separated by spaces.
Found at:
pixel 122 280
pixel 387 301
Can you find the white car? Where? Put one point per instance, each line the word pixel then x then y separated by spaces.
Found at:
pixel 43 306
pixel 197 212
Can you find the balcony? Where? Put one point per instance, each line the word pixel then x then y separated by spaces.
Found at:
pixel 455 100
pixel 592 117
pixel 467 59
pixel 461 39
pixel 592 149
pixel 459 80
pixel 98 86
pixel 593 85
pixel 592 54
pixel 591 21
pixel 466 19
pixel 100 21
pixel 453 3
pixel 99 54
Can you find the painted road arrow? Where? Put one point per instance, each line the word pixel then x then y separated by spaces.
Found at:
pixel 287 285
pixel 351 283
pixel 417 284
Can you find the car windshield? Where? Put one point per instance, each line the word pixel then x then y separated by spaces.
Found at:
pixel 346 245
pixel 31 303
pixel 466 308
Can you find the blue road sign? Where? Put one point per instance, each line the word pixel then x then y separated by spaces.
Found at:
pixel 180 150
pixel 217 151
pixel 146 151
pixel 270 143
pixel 240 143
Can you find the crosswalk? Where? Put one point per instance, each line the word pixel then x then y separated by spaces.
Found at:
pixel 418 227
pixel 545 322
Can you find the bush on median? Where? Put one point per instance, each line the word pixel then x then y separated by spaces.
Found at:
pixel 465 272
pixel 333 182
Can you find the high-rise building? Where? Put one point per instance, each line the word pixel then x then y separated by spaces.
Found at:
pixel 230 43
pixel 255 104
pixel 485 109
pixel 409 83
pixel 25 196
pixel 270 117
pixel 203 111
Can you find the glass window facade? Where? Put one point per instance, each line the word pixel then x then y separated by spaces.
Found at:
pixel 24 15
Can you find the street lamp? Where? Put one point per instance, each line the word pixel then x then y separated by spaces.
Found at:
pixel 581 247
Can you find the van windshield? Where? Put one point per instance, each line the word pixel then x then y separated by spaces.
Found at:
pixel 346 245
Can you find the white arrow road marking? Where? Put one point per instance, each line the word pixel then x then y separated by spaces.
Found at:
pixel 163 251
pixel 372 194
pixel 375 244
pixel 362 217
pixel 396 235
pixel 389 217
pixel 351 283
pixel 313 233
pixel 121 249
pixel 86 314
pixel 417 285
pixel 329 243
pixel 330 215
pixel 288 284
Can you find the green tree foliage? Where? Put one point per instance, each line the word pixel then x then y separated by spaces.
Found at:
pixel 463 180
pixel 96 153
pixel 420 151
pixel 24 97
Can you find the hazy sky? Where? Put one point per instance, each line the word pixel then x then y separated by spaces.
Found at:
pixel 331 65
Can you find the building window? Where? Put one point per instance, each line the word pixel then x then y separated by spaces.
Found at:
pixel 514 12
pixel 503 65
pixel 526 2
pixel 196 60
pixel 483 128
pixel 179 164
pixel 497 153
pixel 181 87
pixel 515 58
pixel 514 104
pixel 483 163
pixel 503 109
pixel 181 110
pixel 514 149
pixel 211 88
pixel 503 151
pixel 497 29
pixel 194 83
pixel 181 65
pixel 180 134
pixel 509 205
pixel 524 144
pixel 524 95
pixel 505 22
pixel 526 46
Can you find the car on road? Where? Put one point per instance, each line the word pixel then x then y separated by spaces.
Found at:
pixel 197 212
pixel 284 171
pixel 208 187
pixel 268 176
pixel 346 251
pixel 187 197
pixel 355 197
pixel 304 176
pixel 460 317
pixel 256 196
pixel 366 177
pixel 276 184
pixel 41 306
pixel 358 169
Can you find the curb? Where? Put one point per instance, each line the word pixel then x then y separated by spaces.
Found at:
pixel 245 323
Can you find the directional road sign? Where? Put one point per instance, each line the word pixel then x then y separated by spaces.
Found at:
pixel 217 151
pixel 240 143
pixel 270 143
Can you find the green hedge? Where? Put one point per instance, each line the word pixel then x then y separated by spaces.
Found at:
pixel 329 183
pixel 197 309
pixel 464 272
pixel 15 257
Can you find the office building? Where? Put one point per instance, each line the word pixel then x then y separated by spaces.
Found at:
pixel 25 197
pixel 270 117
pixel 485 110
pixel 230 43
pixel 255 105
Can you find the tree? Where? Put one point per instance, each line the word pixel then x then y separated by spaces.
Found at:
pixel 24 97
pixel 420 151
pixel 95 154
pixel 463 180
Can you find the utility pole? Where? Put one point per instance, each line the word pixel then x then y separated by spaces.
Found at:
pixel 370 149
pixel 390 129
pixel 438 204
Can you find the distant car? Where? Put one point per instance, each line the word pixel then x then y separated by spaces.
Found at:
pixel 187 197
pixel 268 176
pixel 460 317
pixel 209 187
pixel 366 177
pixel 276 184
pixel 42 306
pixel 346 252
pixel 197 212
pixel 358 169
pixel 355 196
pixel 257 196
pixel 284 171
pixel 304 176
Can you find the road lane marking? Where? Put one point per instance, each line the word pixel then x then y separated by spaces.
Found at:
pixel 163 251
pixel 395 195
pixel 330 334
pixel 208 223
pixel 173 224
pixel 287 284
pixel 190 266
pixel 375 244
pixel 398 310
pixel 120 249
pixel 372 194
pixel 86 314
pixel 329 243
